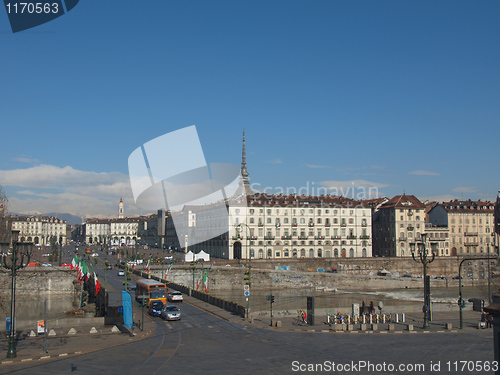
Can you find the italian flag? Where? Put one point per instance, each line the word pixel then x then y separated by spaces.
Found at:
pixel 74 262
pixel 96 281
pixel 147 267
pixel 79 271
pixel 205 281
pixel 83 271
pixel 199 279
pixel 168 270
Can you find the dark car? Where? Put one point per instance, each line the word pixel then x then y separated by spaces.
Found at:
pixel 155 308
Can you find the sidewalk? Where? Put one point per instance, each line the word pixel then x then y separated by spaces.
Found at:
pixel 87 339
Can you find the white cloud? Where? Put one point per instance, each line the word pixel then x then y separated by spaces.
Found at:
pixel 314 166
pixel 355 189
pixel 50 176
pixel 67 190
pixel 26 160
pixel 425 173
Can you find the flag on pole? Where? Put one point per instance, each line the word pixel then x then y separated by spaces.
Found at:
pixel 147 267
pixel 96 281
pixel 168 269
pixel 199 278
pixel 85 271
pixel 74 262
pixel 79 271
pixel 205 281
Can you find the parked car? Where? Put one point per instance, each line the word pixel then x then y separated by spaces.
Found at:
pixel 155 308
pixel 46 265
pixel 175 296
pixel 121 273
pixel 171 312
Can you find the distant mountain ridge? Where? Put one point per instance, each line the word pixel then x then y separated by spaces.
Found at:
pixel 70 218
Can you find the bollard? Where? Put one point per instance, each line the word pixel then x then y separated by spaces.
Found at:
pixel 371 319
pixel 364 319
pixel 403 317
pixel 383 318
pixel 409 327
pixel 374 327
pixel 397 318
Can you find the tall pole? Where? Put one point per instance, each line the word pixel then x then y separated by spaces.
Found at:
pixel 489 277
pixel 17 255
pixel 422 258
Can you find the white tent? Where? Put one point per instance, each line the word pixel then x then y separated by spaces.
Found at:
pixel 189 256
pixel 202 255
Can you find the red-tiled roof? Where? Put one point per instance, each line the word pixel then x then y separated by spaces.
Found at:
pixel 403 201
pixel 468 206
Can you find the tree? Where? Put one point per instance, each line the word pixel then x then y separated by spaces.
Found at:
pixel 4 209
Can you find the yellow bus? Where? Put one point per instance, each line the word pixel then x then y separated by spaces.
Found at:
pixel 151 289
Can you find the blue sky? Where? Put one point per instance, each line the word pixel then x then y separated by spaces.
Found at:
pixel 402 96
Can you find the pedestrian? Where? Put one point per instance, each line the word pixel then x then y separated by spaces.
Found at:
pixel 372 309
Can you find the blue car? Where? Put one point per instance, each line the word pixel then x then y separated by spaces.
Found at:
pixel 155 308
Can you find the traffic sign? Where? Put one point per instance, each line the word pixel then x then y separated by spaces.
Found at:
pixel 246 287
pixel 247 293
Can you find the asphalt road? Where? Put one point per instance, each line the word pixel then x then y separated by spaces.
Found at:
pixel 201 343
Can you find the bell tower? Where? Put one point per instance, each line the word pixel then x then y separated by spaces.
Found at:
pixel 120 209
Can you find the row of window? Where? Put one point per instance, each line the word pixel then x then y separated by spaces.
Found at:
pixel 301 211
pixel 277 221
pixel 302 253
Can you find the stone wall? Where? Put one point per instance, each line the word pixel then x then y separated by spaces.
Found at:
pixel 39 281
pixel 353 274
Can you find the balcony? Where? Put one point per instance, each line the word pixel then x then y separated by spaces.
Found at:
pixel 364 237
pixel 470 233
pixel 351 237
pixel 303 237
pixel 253 237
pixel 363 224
pixel 319 237
pixel 327 224
pixel 235 238
pixel 294 224
pixel 287 237
pixel 343 225
pixel 410 228
pixel 260 224
pixel 335 237
pixel 268 238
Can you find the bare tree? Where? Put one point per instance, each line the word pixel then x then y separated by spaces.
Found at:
pixel 4 210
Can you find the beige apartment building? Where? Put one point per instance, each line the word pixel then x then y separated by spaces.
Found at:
pixel 397 224
pixel 41 230
pixel 470 225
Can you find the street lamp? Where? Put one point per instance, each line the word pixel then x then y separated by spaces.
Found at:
pixel 248 277
pixel 19 258
pixel 422 258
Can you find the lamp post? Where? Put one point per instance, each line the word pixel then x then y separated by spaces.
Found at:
pixel 248 276
pixel 421 257
pixel 20 256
